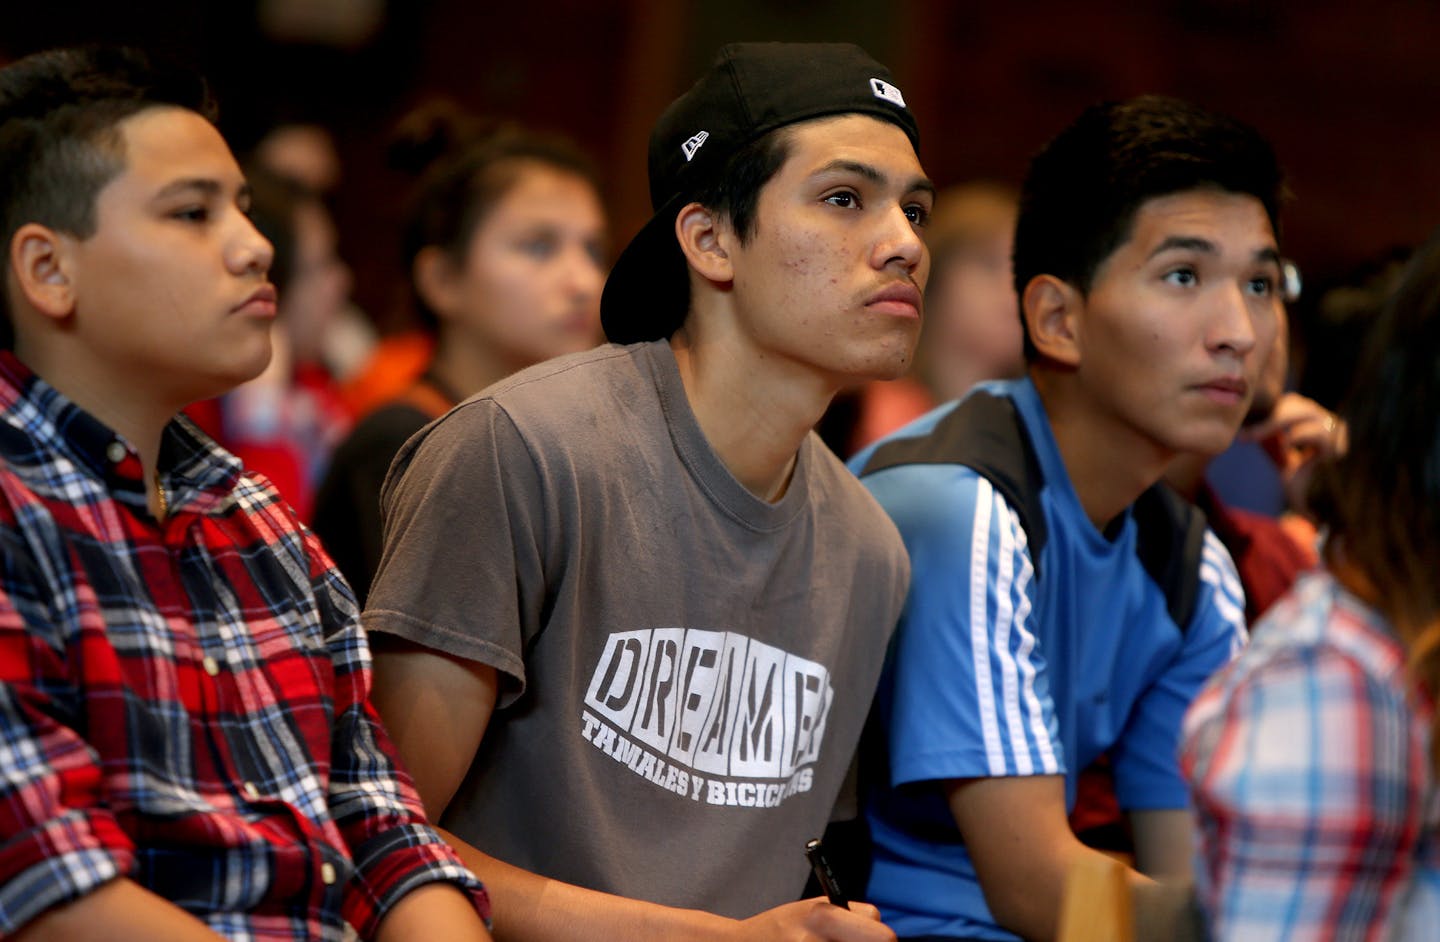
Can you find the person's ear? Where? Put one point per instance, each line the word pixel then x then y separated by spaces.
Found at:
pixel 1053 309
pixel 42 264
pixel 436 280
pixel 703 238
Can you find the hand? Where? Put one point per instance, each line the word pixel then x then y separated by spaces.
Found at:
pixel 1299 434
pixel 815 920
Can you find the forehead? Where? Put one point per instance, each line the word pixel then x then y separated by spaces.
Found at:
pixel 542 187
pixel 1231 221
pixel 164 144
pixel 851 137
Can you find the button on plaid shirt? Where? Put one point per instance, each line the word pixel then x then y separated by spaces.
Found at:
pixel 185 703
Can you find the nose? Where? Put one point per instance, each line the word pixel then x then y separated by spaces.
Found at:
pixel 247 251
pixel 899 243
pixel 1240 320
pixel 584 277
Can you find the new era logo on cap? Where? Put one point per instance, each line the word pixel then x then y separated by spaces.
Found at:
pixel 883 89
pixel 693 144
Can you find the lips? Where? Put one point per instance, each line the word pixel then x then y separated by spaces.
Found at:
pixel 901 298
pixel 1235 384
pixel 261 302
pixel 1228 390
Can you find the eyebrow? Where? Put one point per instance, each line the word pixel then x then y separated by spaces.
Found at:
pixel 1196 244
pixel 873 175
pixel 204 185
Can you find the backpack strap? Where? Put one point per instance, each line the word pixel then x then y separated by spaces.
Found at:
pixel 982 433
pixel 1169 539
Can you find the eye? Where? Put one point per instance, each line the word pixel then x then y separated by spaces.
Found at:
pixel 1184 277
pixel 918 214
pixel 845 199
pixel 191 214
pixel 1262 286
pixel 540 248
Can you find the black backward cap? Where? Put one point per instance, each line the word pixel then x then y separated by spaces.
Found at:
pixel 749 91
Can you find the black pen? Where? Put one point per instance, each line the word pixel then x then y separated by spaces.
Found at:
pixel 815 852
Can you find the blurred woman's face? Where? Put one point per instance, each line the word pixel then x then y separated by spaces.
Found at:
pixel 973 321
pixel 319 286
pixel 532 276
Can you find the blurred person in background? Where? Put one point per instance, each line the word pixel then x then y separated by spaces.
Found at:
pixel 1312 757
pixel 1327 332
pixel 972 320
pixel 972 317
pixel 304 151
pixel 1297 433
pixel 505 245
pixel 286 422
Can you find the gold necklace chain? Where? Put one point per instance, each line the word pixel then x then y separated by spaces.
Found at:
pixel 164 502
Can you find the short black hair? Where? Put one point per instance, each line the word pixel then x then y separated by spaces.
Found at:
pixel 58 140
pixel 1082 190
pixel 732 194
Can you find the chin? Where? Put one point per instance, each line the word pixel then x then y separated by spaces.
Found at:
pixel 890 363
pixel 1204 442
pixel 891 372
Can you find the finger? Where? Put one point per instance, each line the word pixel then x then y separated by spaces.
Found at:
pixel 1291 410
pixel 865 909
pixel 1276 450
pixel 1325 436
pixel 860 923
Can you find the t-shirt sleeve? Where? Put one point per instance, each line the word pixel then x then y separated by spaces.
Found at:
pixel 462 571
pixel 1309 787
pixel 968 691
pixel 1147 774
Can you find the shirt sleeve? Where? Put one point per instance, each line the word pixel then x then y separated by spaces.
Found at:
pixel 1147 774
pixel 462 571
pixel 372 799
pixel 1309 788
pixel 58 841
pixel 968 691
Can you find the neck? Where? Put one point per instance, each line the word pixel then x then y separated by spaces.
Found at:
pixel 137 413
pixel 1110 463
pixel 1186 473
pixel 755 412
pixel 465 367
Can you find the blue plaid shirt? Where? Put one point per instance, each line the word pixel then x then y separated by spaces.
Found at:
pixel 1309 763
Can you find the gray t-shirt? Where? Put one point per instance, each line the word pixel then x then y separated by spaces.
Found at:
pixel 685 668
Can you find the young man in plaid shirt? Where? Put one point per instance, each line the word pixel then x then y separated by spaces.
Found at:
pixel 189 751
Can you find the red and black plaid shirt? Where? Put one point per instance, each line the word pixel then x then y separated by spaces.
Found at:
pixel 185 703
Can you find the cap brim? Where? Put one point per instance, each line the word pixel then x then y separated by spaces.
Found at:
pixel 647 293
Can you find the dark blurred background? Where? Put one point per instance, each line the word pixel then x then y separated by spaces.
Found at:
pixel 1346 91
